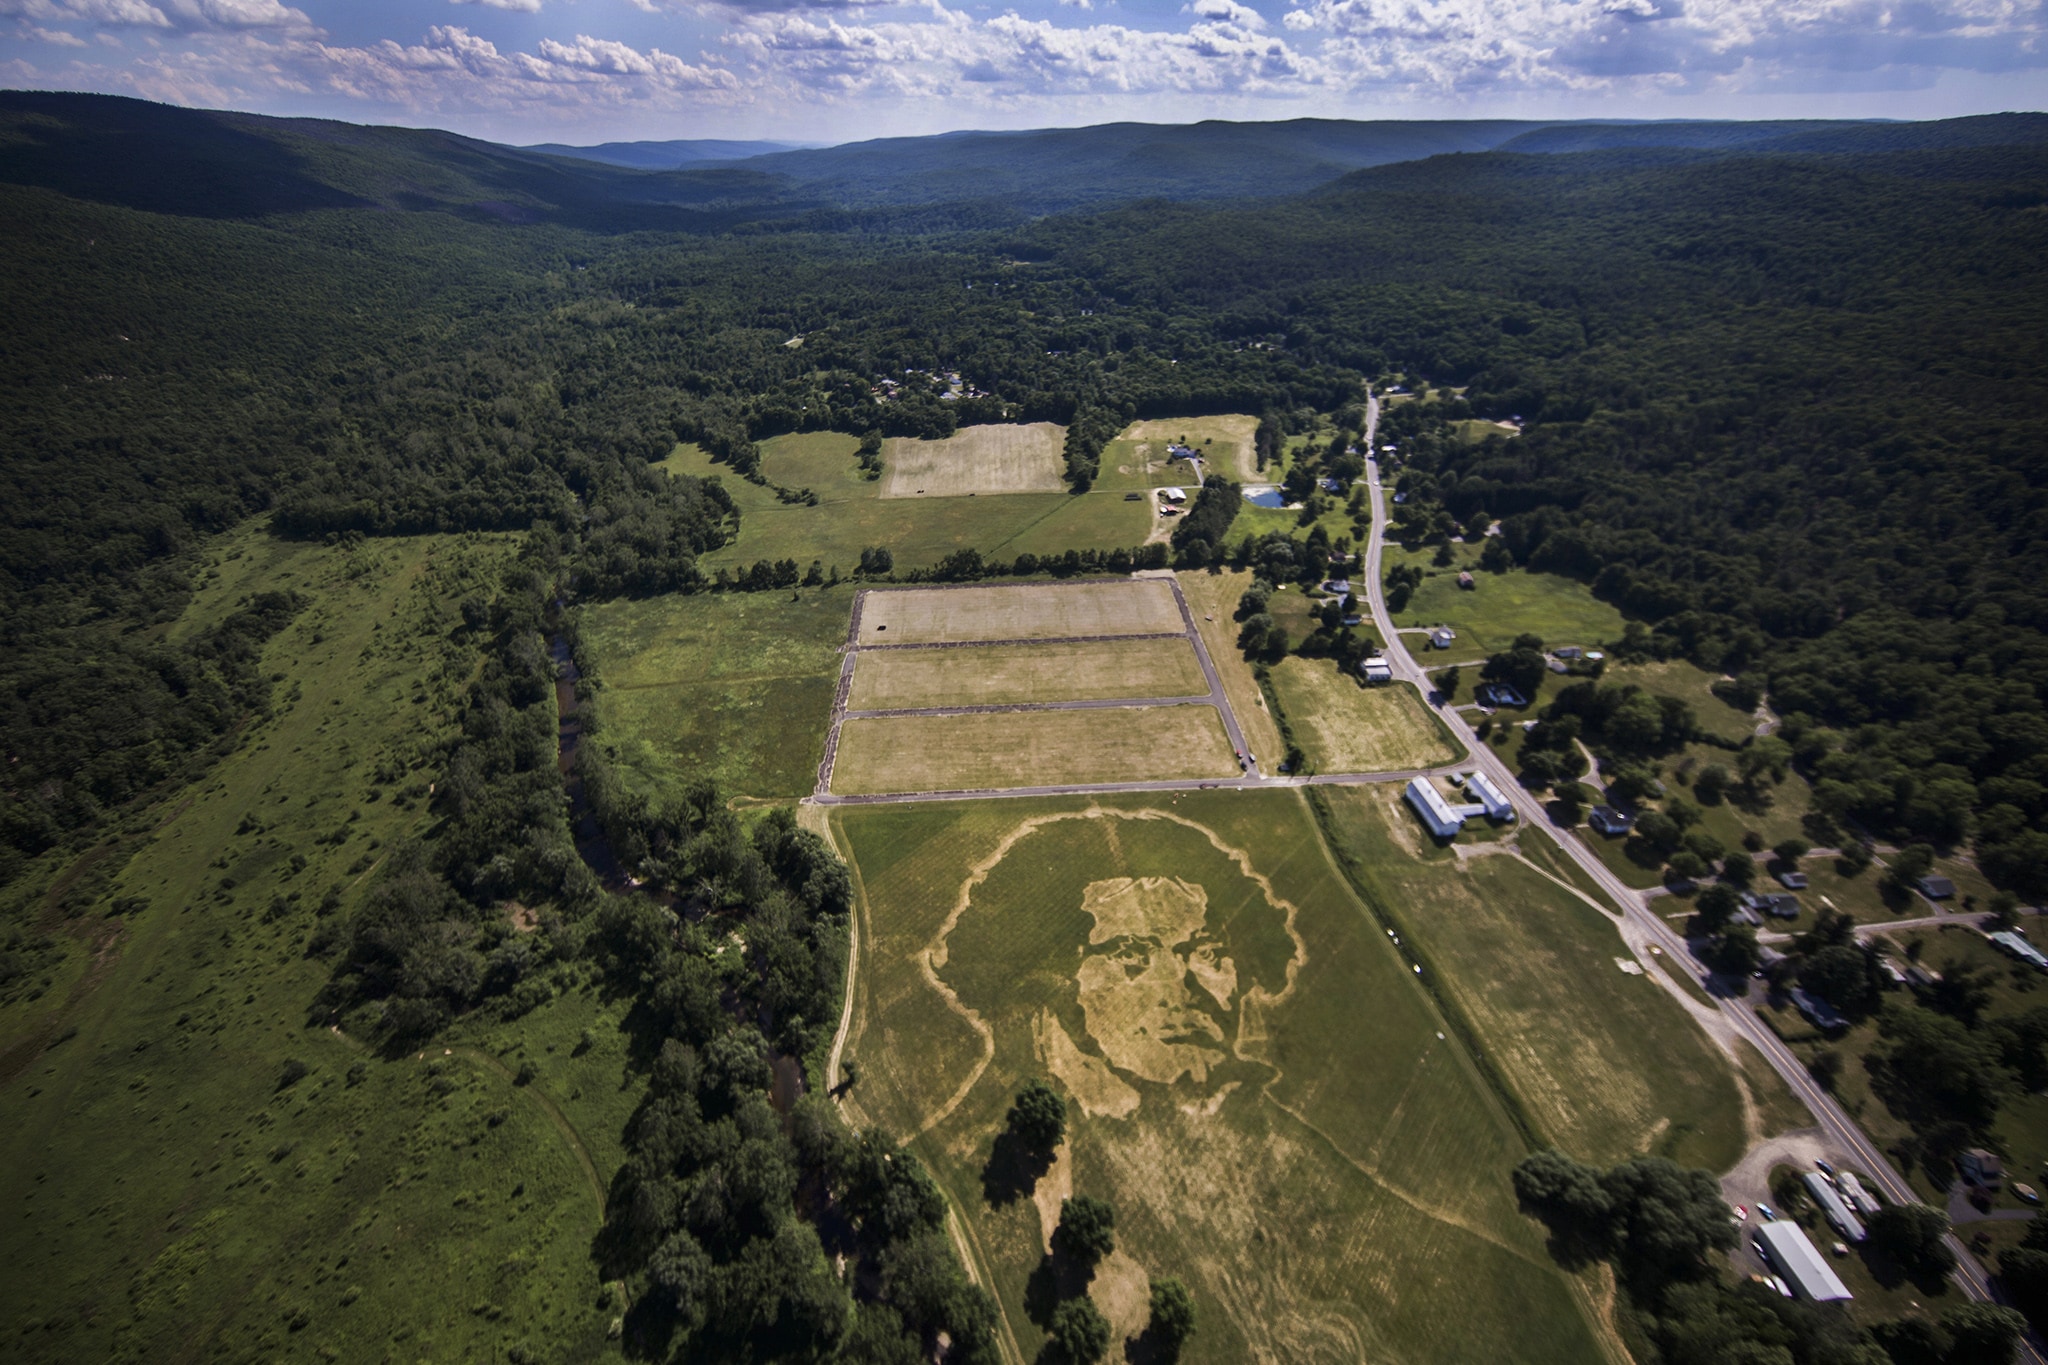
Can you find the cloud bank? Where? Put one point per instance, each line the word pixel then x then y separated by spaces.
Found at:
pixel 788 62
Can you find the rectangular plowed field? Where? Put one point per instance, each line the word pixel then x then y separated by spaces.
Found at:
pixel 985 459
pixel 891 679
pixel 1045 611
pixel 1031 749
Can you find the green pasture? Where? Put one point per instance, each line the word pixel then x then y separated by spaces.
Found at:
pixel 734 686
pixel 851 514
pixel 1561 611
pixel 1605 1063
pixel 1690 684
pixel 184 1201
pixel 1333 1188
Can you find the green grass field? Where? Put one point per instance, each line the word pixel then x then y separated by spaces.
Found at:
pixel 1323 1168
pixel 1031 749
pixel 734 686
pixel 1560 610
pixel 183 1205
pixel 851 514
pixel 1605 1063
pixel 1137 457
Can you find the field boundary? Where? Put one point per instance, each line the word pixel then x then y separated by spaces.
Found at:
pixel 852 649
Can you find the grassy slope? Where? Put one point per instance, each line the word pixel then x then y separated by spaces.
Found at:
pixel 851 514
pixel 1353 1207
pixel 185 1208
pixel 734 686
pixel 1605 1063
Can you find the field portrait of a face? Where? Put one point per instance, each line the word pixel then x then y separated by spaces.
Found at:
pixel 1125 953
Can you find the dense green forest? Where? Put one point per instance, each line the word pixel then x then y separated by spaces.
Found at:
pixel 1782 403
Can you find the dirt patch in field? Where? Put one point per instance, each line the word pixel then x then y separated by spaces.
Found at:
pixel 985 459
pixel 1100 1092
pixel 1043 611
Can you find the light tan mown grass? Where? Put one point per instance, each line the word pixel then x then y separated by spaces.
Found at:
pixel 1037 611
pixel 1224 444
pixel 984 459
pixel 1031 749
pixel 1606 1064
pixel 1348 728
pixel 900 679
pixel 1334 1188
pixel 1213 599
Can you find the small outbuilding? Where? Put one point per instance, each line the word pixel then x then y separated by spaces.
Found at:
pixel 1174 494
pixel 1376 670
pixel 1788 1250
pixel 1818 1012
pixel 1981 1168
pixel 2017 945
pixel 1610 821
pixel 1497 805
pixel 1792 881
pixel 1466 581
pixel 1442 637
pixel 1936 888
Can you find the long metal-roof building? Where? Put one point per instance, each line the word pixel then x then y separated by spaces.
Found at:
pixel 1796 1258
pixel 1831 1204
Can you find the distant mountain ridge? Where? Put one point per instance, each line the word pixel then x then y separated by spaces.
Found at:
pixel 214 164
pixel 663 156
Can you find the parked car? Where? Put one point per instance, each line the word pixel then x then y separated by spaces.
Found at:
pixel 1767 1213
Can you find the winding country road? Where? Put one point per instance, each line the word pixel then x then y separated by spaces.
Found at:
pixel 1841 1133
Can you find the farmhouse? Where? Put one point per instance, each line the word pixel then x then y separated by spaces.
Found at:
pixel 1442 637
pixel 1818 1012
pixel 1174 494
pixel 1337 587
pixel 1608 820
pixel 1785 1245
pixel 1831 1205
pixel 1376 670
pixel 1936 888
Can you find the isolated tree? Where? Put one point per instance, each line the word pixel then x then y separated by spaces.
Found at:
pixel 1086 1231
pixel 1790 851
pixel 1078 1333
pixel 1038 1117
pixel 1910 1234
pixel 1737 954
pixel 1738 869
pixel 1845 975
pixel 1713 908
pixel 1448 680
pixel 1172 1321
pixel 2024 1273
pixel 1711 786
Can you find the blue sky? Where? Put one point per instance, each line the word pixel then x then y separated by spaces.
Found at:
pixel 834 71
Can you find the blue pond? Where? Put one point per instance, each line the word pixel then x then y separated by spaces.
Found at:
pixel 1265 497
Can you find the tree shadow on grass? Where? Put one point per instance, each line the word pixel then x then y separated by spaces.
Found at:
pixel 1013 1171
pixel 1057 1279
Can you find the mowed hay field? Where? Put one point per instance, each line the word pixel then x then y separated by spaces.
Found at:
pixel 851 514
pixel 1137 457
pixel 733 686
pixel 1268 1103
pixel 1024 458
pixel 1606 1064
pixel 893 679
pixel 1034 611
pixel 1031 749
pixel 1345 727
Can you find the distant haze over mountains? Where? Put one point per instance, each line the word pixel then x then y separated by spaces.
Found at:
pixel 212 164
pixel 663 156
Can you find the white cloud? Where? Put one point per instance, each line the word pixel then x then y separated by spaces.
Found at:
pixel 523 6
pixel 130 13
pixel 1230 12
pixel 196 15
pixel 56 37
